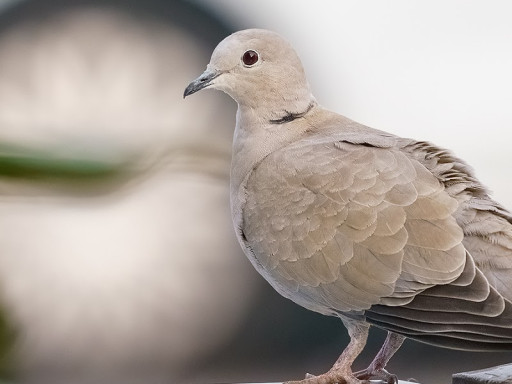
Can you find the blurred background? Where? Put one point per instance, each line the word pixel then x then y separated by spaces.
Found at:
pixel 118 262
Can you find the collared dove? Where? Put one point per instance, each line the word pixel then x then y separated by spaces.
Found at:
pixel 351 221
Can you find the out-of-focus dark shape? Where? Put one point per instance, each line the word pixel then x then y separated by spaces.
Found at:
pixel 501 374
pixel 117 258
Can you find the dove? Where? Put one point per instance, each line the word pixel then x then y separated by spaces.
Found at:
pixel 358 223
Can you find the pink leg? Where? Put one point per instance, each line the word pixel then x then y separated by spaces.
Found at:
pixel 341 372
pixel 376 368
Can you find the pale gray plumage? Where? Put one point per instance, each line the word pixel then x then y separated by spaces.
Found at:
pixel 347 220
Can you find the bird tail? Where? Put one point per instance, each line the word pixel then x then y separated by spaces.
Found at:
pixel 471 316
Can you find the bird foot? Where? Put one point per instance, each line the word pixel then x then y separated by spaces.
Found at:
pixel 381 374
pixel 331 377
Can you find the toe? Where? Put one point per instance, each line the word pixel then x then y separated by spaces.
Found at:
pixel 363 375
pixel 382 374
pixel 331 377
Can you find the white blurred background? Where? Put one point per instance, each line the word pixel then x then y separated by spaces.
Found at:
pixel 118 263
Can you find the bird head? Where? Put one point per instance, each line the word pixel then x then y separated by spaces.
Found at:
pixel 258 69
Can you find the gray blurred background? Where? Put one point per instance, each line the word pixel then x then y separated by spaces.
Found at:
pixel 118 262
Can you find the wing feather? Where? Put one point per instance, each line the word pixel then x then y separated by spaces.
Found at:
pixel 350 219
pixel 404 233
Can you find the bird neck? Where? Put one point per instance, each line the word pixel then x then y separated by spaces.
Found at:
pixel 257 135
pixel 275 101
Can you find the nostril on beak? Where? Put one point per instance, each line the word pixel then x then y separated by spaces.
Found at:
pixel 201 82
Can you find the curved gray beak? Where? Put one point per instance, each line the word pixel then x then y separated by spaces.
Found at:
pixel 201 82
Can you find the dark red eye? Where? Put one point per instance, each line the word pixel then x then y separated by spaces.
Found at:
pixel 250 57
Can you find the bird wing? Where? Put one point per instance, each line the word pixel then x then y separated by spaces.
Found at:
pixel 474 312
pixel 486 224
pixel 345 226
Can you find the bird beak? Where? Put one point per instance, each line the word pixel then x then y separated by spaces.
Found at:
pixel 201 82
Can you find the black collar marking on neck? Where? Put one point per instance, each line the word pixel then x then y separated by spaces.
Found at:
pixel 290 116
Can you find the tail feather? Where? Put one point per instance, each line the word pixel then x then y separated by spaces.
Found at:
pixel 467 314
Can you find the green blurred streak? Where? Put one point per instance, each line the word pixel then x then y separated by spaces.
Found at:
pixel 19 162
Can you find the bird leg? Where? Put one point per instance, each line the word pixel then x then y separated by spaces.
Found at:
pixel 376 368
pixel 341 372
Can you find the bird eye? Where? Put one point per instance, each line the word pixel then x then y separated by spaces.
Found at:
pixel 250 58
